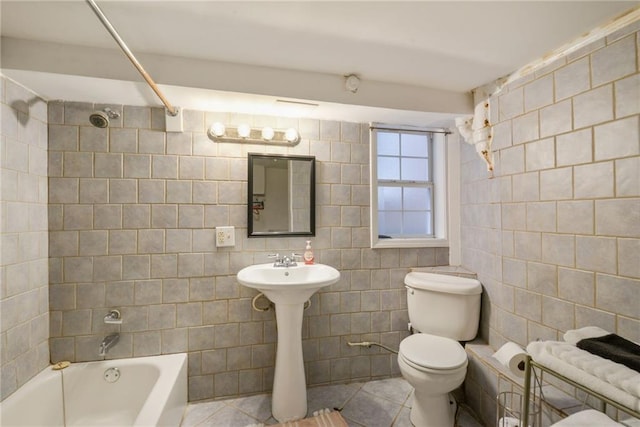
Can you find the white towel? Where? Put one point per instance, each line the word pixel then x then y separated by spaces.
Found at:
pixel 611 379
pixel 587 418
pixel 572 336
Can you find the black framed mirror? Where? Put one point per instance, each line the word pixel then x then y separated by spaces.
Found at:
pixel 282 195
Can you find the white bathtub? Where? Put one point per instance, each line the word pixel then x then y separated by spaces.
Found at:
pixel 151 391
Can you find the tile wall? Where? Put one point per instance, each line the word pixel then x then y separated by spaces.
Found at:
pixel 132 212
pixel 24 294
pixel 555 236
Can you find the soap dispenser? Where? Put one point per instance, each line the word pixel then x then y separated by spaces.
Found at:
pixel 308 253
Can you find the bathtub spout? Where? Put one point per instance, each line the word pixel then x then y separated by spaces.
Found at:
pixel 108 342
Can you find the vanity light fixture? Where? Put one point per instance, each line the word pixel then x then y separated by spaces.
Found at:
pixel 217 129
pixel 243 133
pixel 268 133
pixel 244 130
pixel 291 135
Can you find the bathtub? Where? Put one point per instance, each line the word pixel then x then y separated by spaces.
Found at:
pixel 147 391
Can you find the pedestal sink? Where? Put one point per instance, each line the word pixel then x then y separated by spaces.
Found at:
pixel 288 288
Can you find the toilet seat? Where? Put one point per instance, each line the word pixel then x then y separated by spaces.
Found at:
pixel 432 352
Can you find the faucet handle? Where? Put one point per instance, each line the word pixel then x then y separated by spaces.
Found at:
pixel 296 257
pixel 277 262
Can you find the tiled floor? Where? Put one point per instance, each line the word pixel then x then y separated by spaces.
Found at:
pixel 382 403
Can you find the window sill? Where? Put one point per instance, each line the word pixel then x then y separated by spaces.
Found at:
pixel 410 243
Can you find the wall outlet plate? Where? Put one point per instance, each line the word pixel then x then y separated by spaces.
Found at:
pixel 225 236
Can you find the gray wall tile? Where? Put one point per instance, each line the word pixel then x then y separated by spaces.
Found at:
pixel 567 236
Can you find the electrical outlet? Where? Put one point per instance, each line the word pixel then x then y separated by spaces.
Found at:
pixel 225 236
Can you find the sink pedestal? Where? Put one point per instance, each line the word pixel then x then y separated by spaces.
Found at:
pixel 289 399
pixel 288 288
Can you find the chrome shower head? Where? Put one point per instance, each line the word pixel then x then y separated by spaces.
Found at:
pixel 100 119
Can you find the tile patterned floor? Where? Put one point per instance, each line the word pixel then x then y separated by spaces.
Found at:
pixel 383 403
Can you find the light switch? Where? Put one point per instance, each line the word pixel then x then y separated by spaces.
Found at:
pixel 225 236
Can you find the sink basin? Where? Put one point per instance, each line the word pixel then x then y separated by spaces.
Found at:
pixel 289 288
pixel 288 285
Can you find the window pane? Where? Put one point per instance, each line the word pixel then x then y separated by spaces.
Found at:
pixel 417 199
pixel 388 168
pixel 390 223
pixel 414 169
pixel 416 223
pixel 403 184
pixel 389 198
pixel 414 145
pixel 388 143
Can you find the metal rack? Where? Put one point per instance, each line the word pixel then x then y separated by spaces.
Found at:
pixel 530 365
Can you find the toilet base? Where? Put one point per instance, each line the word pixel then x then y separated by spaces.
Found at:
pixel 432 411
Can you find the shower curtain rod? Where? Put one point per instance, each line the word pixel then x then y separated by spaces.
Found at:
pixel 170 108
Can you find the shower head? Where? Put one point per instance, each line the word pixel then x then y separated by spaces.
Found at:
pixel 100 119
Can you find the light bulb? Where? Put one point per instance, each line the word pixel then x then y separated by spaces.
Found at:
pixel 217 129
pixel 244 130
pixel 267 133
pixel 291 135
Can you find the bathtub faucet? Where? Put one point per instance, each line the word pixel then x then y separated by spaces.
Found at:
pixel 108 342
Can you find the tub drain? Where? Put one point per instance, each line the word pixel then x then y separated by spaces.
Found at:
pixel 111 375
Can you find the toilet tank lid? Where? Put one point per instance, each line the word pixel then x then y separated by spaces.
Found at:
pixel 443 283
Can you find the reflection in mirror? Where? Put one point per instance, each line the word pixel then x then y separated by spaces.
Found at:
pixel 281 195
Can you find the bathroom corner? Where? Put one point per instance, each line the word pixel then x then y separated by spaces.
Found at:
pixel 24 248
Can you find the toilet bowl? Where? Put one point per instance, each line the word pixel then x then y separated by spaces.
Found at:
pixel 443 310
pixel 434 366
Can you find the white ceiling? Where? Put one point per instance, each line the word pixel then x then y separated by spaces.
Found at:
pixel 417 60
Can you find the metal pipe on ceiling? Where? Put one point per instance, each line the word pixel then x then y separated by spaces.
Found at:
pixel 171 110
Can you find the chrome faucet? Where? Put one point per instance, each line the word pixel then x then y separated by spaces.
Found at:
pixel 285 261
pixel 108 342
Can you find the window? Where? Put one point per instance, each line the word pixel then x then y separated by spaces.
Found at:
pixel 408 187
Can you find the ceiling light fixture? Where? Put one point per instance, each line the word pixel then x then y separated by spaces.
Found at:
pixel 243 133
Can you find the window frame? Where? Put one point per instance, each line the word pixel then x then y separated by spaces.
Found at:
pixel 438 159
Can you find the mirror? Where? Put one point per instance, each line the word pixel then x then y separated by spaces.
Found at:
pixel 282 197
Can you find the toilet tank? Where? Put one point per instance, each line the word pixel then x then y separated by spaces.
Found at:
pixel 443 305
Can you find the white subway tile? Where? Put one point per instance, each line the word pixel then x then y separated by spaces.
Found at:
pixel 593 180
pixel 593 107
pixel 627 93
pixel 628 250
pixel 538 93
pixel 613 61
pixel 556 184
pixel 617 139
pixel 628 177
pixel 512 160
pixel 540 154
pixel 574 148
pixel 556 119
pixel 577 286
pixel 618 217
pixel 511 104
pixel 596 253
pixel 572 79
pixel 576 217
pixel 541 216
pixel 617 295
pixel 525 128
pixel 526 187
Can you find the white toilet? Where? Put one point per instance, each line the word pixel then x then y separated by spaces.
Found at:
pixel 443 310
